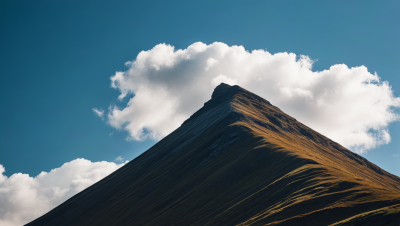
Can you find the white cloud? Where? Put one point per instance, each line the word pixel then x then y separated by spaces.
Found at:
pixel 223 79
pixel 349 105
pixel 119 159
pixel 210 63
pixel 24 198
pixel 99 113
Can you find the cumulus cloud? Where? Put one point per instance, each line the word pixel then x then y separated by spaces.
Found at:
pixel 99 113
pixel 349 105
pixel 24 198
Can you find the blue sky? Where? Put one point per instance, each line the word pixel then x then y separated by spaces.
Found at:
pixel 57 58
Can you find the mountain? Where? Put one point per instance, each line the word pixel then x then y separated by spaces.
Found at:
pixel 238 161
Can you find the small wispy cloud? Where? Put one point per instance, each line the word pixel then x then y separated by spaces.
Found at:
pixel 98 112
pixel 119 159
pixel 112 133
pixel 396 155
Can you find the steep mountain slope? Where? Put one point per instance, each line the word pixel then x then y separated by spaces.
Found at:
pixel 238 161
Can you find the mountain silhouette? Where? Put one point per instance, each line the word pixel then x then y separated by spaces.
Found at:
pixel 238 160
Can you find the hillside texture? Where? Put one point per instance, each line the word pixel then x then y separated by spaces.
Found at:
pixel 238 161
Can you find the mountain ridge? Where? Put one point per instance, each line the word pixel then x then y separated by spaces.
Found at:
pixel 238 160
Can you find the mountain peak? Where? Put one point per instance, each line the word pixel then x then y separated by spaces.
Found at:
pixel 220 90
pixel 238 161
pixel 225 90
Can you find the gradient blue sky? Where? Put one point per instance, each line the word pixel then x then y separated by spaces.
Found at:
pixel 57 58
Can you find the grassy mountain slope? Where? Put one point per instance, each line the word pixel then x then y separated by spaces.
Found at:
pixel 238 161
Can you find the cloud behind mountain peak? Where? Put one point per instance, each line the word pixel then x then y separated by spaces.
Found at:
pixel 349 105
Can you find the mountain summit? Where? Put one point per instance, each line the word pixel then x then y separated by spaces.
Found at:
pixel 238 160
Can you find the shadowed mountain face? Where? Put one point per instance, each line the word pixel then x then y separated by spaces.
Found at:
pixel 238 161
